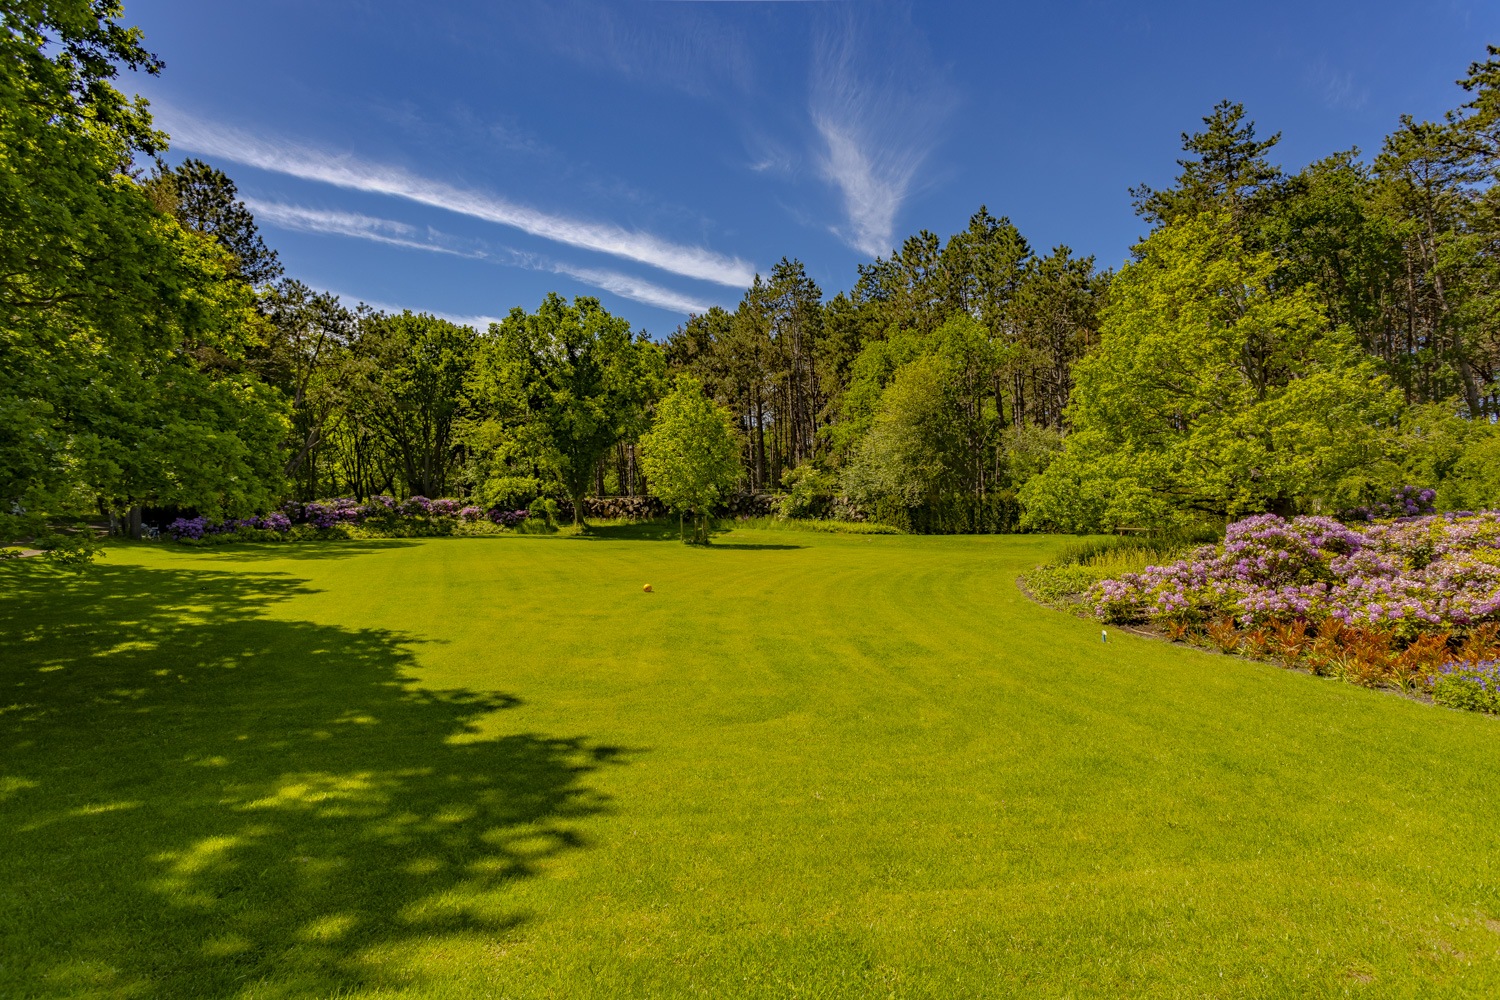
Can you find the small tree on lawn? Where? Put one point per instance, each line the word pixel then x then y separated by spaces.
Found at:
pixel 690 455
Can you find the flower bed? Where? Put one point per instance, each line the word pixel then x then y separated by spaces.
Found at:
pixel 1411 602
pixel 345 517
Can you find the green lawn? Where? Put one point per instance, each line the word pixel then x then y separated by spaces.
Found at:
pixel 806 766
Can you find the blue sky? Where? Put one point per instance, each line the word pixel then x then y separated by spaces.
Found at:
pixel 465 158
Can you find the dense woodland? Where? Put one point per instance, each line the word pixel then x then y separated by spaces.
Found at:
pixel 1278 341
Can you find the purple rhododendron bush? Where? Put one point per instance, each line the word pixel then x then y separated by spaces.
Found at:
pixel 346 517
pixel 1411 602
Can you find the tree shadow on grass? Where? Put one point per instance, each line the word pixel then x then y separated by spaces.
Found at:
pixel 661 531
pixel 195 800
pixel 754 545
pixel 265 551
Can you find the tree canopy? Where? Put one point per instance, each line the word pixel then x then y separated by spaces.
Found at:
pixel 690 454
pixel 566 383
pixel 1211 393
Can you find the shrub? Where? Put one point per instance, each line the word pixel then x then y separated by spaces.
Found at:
pixel 510 492
pixel 810 493
pixel 507 518
pixel 313 533
pixel 1057 583
pixel 1474 687
pixel 1409 602
pixel 75 550
pixel 1410 575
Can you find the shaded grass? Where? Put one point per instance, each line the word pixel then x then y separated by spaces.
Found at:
pixel 849 766
pixel 808 524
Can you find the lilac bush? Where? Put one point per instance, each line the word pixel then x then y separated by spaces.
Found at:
pixel 381 506
pixel 276 521
pixel 507 518
pixel 1414 573
pixel 415 506
pixel 1407 501
pixel 382 513
pixel 194 528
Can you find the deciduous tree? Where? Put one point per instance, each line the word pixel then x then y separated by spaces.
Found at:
pixel 690 455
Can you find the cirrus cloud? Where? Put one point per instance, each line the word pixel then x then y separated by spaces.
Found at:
pixel 349 172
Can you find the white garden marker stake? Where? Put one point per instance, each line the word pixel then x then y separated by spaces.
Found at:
pixel 1104 635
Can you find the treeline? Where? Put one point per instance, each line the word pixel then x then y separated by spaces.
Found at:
pixel 1289 342
pixel 1297 343
pixel 152 354
pixel 927 392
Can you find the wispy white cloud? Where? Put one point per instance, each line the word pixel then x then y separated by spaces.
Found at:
pixel 1338 90
pixel 365 227
pixel 768 155
pixel 878 106
pixel 346 171
pixel 333 223
pixel 685 47
pixel 479 322
pixel 632 288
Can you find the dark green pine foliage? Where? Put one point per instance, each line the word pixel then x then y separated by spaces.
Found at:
pixel 1227 170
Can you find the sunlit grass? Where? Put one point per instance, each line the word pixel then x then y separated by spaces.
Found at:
pixel 804 765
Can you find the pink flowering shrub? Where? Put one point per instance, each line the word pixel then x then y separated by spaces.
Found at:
pixel 1411 574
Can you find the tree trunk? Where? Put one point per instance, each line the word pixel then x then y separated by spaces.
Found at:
pixel 760 442
pixel 1471 388
pixel 135 523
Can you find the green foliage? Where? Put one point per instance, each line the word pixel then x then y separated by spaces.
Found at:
pixel 1079 564
pixel 420 365
pixel 1160 546
pixel 125 337
pixel 1468 690
pixel 562 386
pixel 810 492
pixel 1460 458
pixel 1214 393
pixel 690 455
pixel 203 200
pixel 510 492
pixel 1061 584
pixel 75 549
pixel 1226 171
pixel 952 514
pixel 543 514
pixel 907 457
